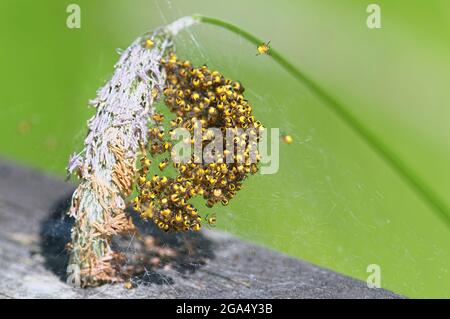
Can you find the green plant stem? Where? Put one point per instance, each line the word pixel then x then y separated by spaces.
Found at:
pixel 393 160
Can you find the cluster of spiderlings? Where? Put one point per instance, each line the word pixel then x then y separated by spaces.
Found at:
pixel 198 96
pixel 164 199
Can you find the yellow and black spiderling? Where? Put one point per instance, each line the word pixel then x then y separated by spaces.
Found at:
pixel 196 96
pixel 211 219
pixel 263 49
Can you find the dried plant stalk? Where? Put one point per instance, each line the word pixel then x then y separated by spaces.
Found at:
pixel 106 165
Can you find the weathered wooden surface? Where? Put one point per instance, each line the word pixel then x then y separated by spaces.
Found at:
pixel 34 231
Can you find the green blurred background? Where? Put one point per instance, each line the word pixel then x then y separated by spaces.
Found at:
pixel 334 202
